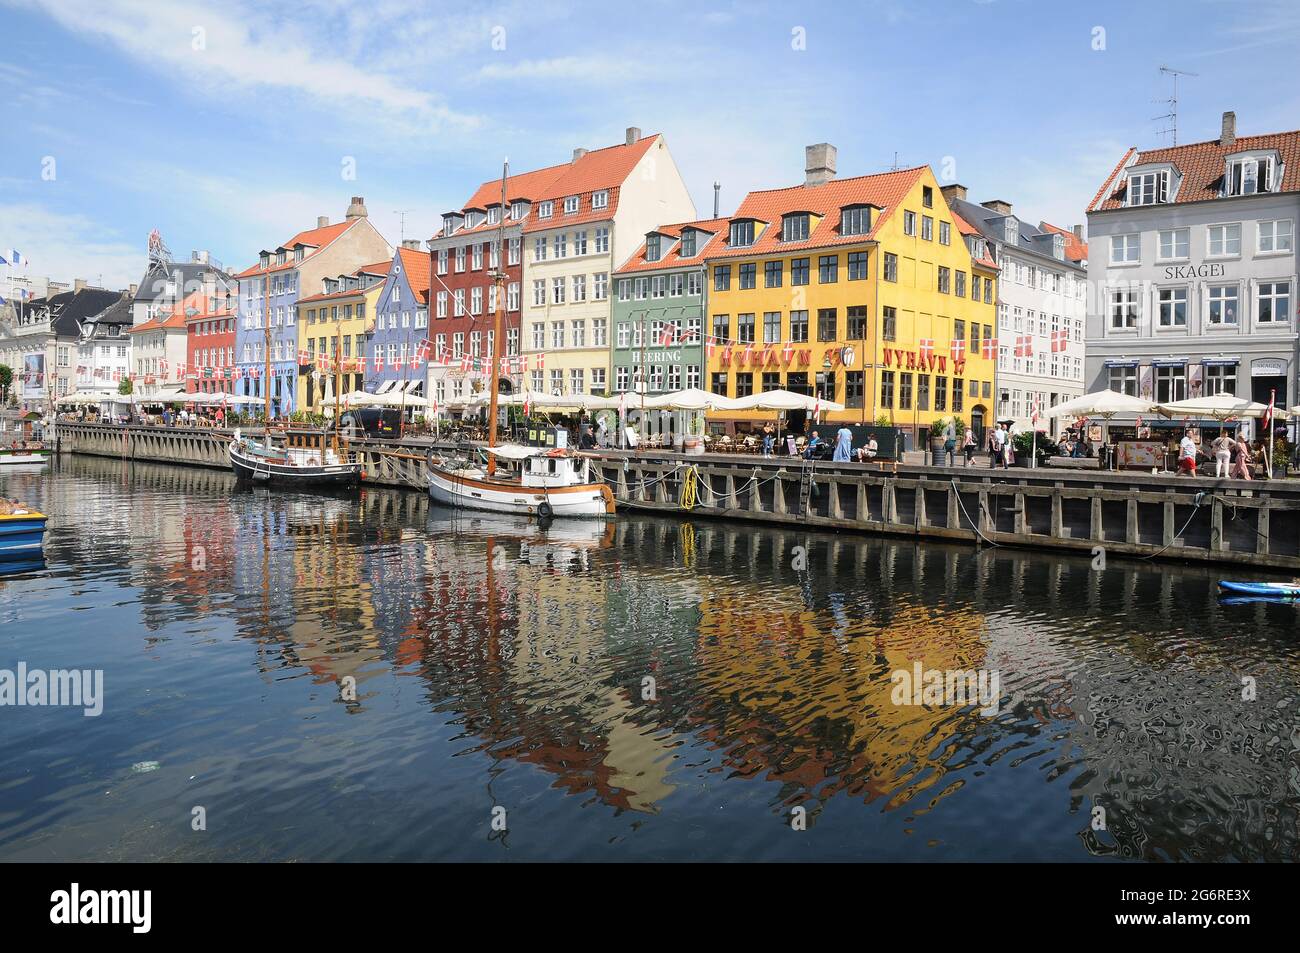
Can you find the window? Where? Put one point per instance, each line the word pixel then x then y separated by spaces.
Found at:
pixel 909 223
pixel 539 292
pixel 960 289
pixel 945 238
pixel 1223 304
pixel 857 322
pixel 1148 188
pixel 579 332
pixel 557 334
pixel 1224 240
pixel 799 327
pixel 652 252
pixel 477 257
pixel 891 267
pixel 1171 383
pixel 539 336
pixel 694 283
pixel 1274 304
pixel 557 290
pixel 722 327
pixel 1123 309
pixel 888 324
pixel 625 289
pixel 1250 175
pixel 718 383
pixel 539 248
pixel 904 391
pixel 745 328
pixel 602 241
pixel 1174 243
pixel 854 389
pixel 687 249
pixel 600 332
pixel 513 251
pixel 600 286
pixel 1275 236
pixel 562 245
pixel 828 269
pixel 512 296
pixel 886 388
pixel 927 232
pixel 579 287
pixel 945 280
pixel 748 275
pixel 794 228
pixel 799 268
pixel 1220 379
pixel 640 285
pixel 571 205
pixel 545 209
pixel 771 327
pixel 622 377
pixel 857 265
pixel 1125 249
pixel 1173 307
pixel 742 234
pixel 579 243
pixel 722 278
pixel 855 220
pixel 658 286
pixel 600 199
pixel 827 324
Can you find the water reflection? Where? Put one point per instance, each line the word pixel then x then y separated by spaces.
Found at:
pixel 646 687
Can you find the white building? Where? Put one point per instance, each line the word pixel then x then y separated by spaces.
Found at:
pixel 1042 309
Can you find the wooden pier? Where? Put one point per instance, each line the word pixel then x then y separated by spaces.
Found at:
pixel 1120 514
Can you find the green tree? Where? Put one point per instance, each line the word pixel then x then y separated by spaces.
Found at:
pixel 125 387
pixel 6 381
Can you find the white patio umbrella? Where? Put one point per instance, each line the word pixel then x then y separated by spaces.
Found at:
pixel 1102 403
pixel 356 398
pixel 395 400
pixel 692 398
pixel 1218 407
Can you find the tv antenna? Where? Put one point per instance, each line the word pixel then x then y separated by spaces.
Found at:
pixel 401 213
pixel 1172 115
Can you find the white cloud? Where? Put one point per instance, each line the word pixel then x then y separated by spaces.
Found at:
pixel 595 68
pixel 63 246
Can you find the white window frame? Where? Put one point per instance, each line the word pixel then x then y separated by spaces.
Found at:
pixel 1174 233
pixel 1209 240
pixel 1273 237
pixel 1130 242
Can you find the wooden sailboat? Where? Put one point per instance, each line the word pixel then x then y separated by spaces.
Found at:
pixel 296 457
pixel 537 481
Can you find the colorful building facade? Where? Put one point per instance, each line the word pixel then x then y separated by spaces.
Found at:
pixel 334 327
pixel 210 344
pixel 866 291
pixel 395 356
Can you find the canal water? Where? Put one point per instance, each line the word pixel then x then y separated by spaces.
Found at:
pixel 371 677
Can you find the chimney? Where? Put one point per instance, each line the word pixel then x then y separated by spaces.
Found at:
pixel 1228 131
pixel 357 209
pixel 79 284
pixel 411 243
pixel 199 257
pixel 997 205
pixel 633 134
pixel 819 164
pixel 953 193
pixel 134 289
pixel 717 194
pixel 322 221
pixel 578 153
pixel 1078 232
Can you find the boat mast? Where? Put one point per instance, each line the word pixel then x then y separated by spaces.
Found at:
pixel 266 336
pixel 338 380
pixel 498 314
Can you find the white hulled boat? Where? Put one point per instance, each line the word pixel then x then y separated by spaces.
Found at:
pixel 543 482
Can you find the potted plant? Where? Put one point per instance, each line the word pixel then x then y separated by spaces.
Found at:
pixel 693 442
pixel 1281 457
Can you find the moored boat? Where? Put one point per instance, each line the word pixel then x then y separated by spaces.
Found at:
pixel 25 452
pixel 22 531
pixel 301 458
pixel 1266 590
pixel 548 483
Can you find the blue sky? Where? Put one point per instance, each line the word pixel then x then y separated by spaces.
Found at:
pixel 229 126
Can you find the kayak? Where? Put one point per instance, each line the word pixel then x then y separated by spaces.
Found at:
pixel 1272 590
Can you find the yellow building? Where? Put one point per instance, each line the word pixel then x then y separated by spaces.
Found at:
pixel 866 291
pixel 337 321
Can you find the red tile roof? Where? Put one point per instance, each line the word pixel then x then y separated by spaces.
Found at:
pixel 317 237
pixel 673 257
pixel 884 190
pixel 1076 249
pixel 966 228
pixel 1202 166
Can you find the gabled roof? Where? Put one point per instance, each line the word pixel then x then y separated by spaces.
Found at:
pixel 174 318
pixel 1076 249
pixel 153 285
pixel 673 258
pixel 315 238
pixel 988 223
pixel 69 308
pixel 884 190
pixel 416 265
pixel 119 312
pixel 1202 166
pixel 966 228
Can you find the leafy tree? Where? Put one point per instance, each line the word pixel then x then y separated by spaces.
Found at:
pixel 6 381
pixel 125 387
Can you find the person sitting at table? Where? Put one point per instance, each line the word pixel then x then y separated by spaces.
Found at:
pixel 869 450
pixel 811 448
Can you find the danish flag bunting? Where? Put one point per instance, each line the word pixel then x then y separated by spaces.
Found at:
pixel 1059 340
pixel 926 348
pixel 989 348
pixel 957 349
pixel 1024 346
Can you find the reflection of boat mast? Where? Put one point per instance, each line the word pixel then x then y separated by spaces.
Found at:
pixel 498 281
pixel 266 337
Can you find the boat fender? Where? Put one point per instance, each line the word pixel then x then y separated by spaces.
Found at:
pixel 545 511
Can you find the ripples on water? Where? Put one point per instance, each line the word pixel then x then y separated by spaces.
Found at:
pixel 497 665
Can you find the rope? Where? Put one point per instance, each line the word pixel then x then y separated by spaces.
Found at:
pixel 1197 500
pixel 690 484
pixel 973 524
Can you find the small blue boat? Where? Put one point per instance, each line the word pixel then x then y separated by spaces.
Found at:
pixel 22 531
pixel 1266 590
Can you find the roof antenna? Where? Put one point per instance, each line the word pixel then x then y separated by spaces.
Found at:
pixel 401 213
pixel 1172 115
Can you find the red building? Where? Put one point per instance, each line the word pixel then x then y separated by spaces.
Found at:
pixel 210 342
pixel 462 301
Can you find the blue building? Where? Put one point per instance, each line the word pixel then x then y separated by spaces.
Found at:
pixel 401 323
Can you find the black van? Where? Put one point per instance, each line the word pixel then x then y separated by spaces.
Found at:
pixel 371 422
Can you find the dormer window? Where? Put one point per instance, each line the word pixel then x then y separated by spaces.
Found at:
pixel 742 233
pixel 652 248
pixel 571 205
pixel 1148 188
pixel 688 243
pixel 298 253
pixel 1011 231
pixel 1058 246
pixel 794 227
pixel 518 210
pixel 280 257
pixel 600 199
pixel 494 215
pixel 449 223
pixel 545 209
pixel 1249 175
pixel 855 220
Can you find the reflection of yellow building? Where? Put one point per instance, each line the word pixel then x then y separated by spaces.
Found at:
pixel 334 323
pixel 865 291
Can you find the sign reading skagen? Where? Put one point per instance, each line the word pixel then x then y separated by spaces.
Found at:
pixel 1195 271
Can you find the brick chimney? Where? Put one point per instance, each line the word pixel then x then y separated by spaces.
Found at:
pixel 997 205
pixel 79 284
pixel 322 221
pixel 1228 131
pixel 578 153
pixel 1078 232
pixel 819 164
pixel 134 288
pixel 953 193
pixel 357 209
pixel 633 134
pixel 411 243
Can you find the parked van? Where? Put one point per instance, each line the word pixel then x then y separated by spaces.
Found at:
pixel 371 422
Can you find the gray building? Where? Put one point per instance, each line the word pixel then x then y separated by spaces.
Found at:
pixel 1193 269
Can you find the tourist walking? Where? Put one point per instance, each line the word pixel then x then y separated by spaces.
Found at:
pixel 968 445
pixel 843 445
pixel 950 443
pixel 1241 471
pixel 1008 450
pixel 1222 447
pixel 769 440
pixel 993 444
pixel 1187 456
